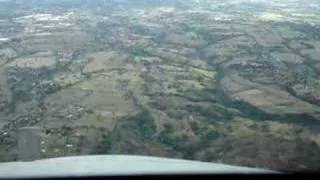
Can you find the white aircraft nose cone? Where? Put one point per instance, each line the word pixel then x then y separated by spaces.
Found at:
pixel 115 165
